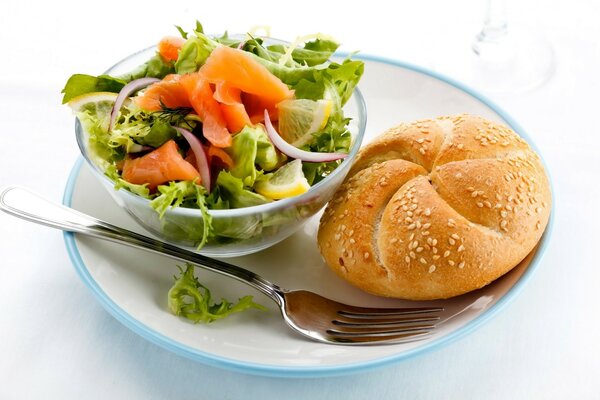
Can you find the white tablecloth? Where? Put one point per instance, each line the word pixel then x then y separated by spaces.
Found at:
pixel 57 342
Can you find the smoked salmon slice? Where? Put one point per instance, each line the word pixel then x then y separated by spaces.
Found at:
pixel 159 166
pixel 169 93
pixel 169 47
pixel 200 94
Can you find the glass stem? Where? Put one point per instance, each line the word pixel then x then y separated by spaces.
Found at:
pixel 495 24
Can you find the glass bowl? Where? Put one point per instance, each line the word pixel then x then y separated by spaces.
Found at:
pixel 237 231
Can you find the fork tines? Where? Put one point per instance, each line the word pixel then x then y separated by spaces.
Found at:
pixel 400 325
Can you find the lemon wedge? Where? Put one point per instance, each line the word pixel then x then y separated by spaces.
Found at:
pixel 299 118
pixel 90 101
pixel 287 181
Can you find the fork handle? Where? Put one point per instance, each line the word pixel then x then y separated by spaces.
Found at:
pixel 25 204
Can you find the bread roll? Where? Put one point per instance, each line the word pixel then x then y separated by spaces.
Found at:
pixel 436 208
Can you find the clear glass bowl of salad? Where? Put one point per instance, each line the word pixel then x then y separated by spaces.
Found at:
pixel 223 195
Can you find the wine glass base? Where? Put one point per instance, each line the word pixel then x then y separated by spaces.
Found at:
pixel 516 62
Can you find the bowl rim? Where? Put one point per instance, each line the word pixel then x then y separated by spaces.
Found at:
pixel 276 205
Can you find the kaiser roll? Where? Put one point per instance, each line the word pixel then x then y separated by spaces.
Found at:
pixel 436 208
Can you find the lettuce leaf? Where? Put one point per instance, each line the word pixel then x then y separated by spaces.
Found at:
pixel 155 67
pixel 185 193
pixel 250 148
pixel 79 84
pixel 190 299
pixel 232 191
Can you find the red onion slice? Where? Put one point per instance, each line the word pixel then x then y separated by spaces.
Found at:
pixel 131 87
pixel 201 159
pixel 294 152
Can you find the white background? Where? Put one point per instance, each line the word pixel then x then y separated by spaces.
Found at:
pixel 57 342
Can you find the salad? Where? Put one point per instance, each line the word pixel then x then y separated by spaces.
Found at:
pixel 219 122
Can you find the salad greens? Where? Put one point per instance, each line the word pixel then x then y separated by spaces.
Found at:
pixel 304 67
pixel 190 299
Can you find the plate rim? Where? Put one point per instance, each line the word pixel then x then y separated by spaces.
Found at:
pixel 274 370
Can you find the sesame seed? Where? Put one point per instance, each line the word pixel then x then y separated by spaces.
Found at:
pixel 407 259
pixel 436 257
pixel 460 146
pixel 422 260
pixel 503 224
pixel 461 248
pixel 431 268
pixel 419 224
pixel 538 210
pixel 412 255
pixel 455 236
pixel 479 204
pixel 352 241
pixel 426 226
pixel 461 265
pixel 422 151
pixel 434 250
pixel 427 212
pixel 337 236
pixel 446 253
pixel 487 204
pixel 419 249
pixel 503 214
pixel 412 236
pixel 409 213
pixel 451 263
pixel 425 233
pixel 475 194
pixel 367 255
pixel 411 227
pixel 394 240
pixel 420 140
pixel 415 244
pixel 408 220
pixel 451 241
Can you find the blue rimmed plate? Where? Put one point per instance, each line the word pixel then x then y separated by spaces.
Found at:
pixel 132 285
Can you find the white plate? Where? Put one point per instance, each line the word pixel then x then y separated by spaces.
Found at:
pixel 132 285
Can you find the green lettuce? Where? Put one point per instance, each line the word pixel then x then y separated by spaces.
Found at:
pixel 250 148
pixel 233 192
pixel 185 193
pixel 155 67
pixel 190 299
pixel 79 84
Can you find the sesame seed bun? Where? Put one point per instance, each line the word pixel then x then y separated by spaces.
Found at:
pixel 436 208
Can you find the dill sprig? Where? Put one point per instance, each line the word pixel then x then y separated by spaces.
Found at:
pixel 174 116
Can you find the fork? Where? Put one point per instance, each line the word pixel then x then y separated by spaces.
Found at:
pixel 307 313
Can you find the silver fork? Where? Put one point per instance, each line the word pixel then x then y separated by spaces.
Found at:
pixel 307 313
